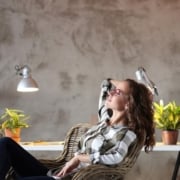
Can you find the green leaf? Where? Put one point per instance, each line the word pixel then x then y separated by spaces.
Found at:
pixel 167 116
pixel 13 118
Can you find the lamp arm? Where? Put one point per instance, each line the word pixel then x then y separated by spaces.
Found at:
pixel 24 71
pixel 142 76
pixel 151 84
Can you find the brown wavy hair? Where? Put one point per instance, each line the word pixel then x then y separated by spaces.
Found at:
pixel 140 113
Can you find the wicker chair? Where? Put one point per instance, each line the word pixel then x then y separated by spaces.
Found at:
pixel 92 172
pixel 100 172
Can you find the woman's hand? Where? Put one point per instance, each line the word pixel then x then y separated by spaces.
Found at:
pixel 114 82
pixel 72 164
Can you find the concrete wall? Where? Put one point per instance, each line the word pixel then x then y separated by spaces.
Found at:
pixel 72 45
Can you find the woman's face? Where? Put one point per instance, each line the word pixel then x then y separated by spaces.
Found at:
pixel 118 98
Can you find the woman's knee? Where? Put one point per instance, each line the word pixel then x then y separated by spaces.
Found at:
pixel 5 140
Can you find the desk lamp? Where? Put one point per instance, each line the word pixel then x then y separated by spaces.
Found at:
pixel 27 83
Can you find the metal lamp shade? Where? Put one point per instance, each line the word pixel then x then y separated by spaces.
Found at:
pixel 27 85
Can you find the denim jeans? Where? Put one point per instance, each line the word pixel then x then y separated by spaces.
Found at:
pixel 25 165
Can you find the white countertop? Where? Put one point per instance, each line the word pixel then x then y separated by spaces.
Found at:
pixel 43 146
pixel 162 147
pixel 59 145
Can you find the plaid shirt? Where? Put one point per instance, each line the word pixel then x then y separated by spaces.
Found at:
pixel 106 144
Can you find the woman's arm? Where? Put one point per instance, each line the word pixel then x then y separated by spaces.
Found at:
pixel 83 158
pixel 112 157
pixel 114 82
pixel 116 154
pixel 103 113
pixel 73 163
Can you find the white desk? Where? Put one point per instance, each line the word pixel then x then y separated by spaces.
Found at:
pixel 43 146
pixel 162 147
pixel 59 145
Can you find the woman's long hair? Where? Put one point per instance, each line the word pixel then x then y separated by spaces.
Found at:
pixel 140 113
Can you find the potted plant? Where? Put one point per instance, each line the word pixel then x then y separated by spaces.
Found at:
pixel 11 122
pixel 167 118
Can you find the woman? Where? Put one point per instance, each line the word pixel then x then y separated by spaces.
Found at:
pixel 126 117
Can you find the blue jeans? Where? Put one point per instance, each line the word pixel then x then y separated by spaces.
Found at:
pixel 25 165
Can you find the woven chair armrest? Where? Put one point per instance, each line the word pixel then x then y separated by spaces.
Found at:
pixel 72 139
pixel 70 144
pixel 51 164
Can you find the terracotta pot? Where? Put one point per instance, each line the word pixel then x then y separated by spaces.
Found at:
pixel 170 136
pixel 15 134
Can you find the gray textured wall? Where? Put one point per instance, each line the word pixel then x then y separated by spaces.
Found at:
pixel 72 45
